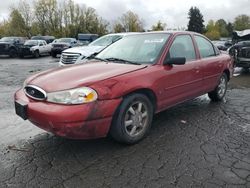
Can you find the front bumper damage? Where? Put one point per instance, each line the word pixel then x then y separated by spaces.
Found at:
pixel 85 121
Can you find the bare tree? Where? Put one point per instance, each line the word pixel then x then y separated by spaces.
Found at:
pixel 131 22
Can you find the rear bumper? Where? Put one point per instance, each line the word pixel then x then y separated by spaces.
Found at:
pixel 84 121
pixel 243 62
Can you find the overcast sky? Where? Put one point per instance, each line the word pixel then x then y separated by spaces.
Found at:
pixel 172 12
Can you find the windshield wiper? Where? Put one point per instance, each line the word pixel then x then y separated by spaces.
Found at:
pixel 97 58
pixel 122 60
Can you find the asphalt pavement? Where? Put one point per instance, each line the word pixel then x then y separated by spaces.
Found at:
pixel 196 144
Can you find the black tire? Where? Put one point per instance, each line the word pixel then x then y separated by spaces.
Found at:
pixel 13 53
pixel 140 123
pixel 220 91
pixel 21 56
pixel 36 54
pixel 53 54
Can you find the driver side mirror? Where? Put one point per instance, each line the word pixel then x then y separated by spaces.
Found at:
pixel 175 61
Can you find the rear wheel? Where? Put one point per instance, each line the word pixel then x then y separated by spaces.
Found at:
pixel 21 55
pixel 219 92
pixel 132 119
pixel 13 53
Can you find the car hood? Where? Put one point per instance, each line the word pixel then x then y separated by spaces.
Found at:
pixel 2 42
pixel 69 77
pixel 28 46
pixel 61 43
pixel 85 50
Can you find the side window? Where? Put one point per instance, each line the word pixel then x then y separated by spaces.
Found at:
pixel 205 47
pixel 182 47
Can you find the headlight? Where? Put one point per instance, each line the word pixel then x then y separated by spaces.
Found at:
pixel 73 96
pixel 24 83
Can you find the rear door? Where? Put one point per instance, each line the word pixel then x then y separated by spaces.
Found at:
pixel 211 65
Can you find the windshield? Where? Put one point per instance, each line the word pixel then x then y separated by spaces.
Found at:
pixel 31 42
pixel 8 39
pixel 105 40
pixel 143 48
pixel 66 40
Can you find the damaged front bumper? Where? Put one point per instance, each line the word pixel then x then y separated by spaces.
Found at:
pixel 85 121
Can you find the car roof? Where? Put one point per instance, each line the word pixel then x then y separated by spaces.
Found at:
pixel 37 40
pixel 170 32
pixel 173 32
pixel 45 37
pixel 67 38
pixel 122 34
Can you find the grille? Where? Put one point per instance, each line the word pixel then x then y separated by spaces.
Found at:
pixel 58 45
pixel 2 46
pixel 69 58
pixel 245 52
pixel 35 92
pixel 25 50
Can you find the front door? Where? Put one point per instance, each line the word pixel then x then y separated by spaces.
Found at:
pixel 181 82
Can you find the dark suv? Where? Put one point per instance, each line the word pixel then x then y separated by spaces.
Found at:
pixel 48 39
pixel 241 49
pixel 62 44
pixel 11 45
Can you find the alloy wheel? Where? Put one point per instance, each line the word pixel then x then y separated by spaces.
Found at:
pixel 136 119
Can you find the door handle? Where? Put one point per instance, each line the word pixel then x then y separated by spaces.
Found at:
pixel 197 69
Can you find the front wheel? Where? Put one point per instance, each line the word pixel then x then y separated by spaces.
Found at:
pixel 53 54
pixel 220 91
pixel 132 119
pixel 13 53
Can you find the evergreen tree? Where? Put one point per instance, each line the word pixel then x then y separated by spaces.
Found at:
pixel 230 28
pixel 195 20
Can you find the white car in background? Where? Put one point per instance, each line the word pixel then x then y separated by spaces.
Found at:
pixel 79 55
pixel 35 48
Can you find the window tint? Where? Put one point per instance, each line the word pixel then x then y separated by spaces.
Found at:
pixel 141 48
pixel 116 37
pixel 103 41
pixel 182 47
pixel 205 47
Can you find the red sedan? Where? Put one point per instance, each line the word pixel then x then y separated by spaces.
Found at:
pixel 120 89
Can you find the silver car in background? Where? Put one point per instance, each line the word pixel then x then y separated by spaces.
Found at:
pixel 80 54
